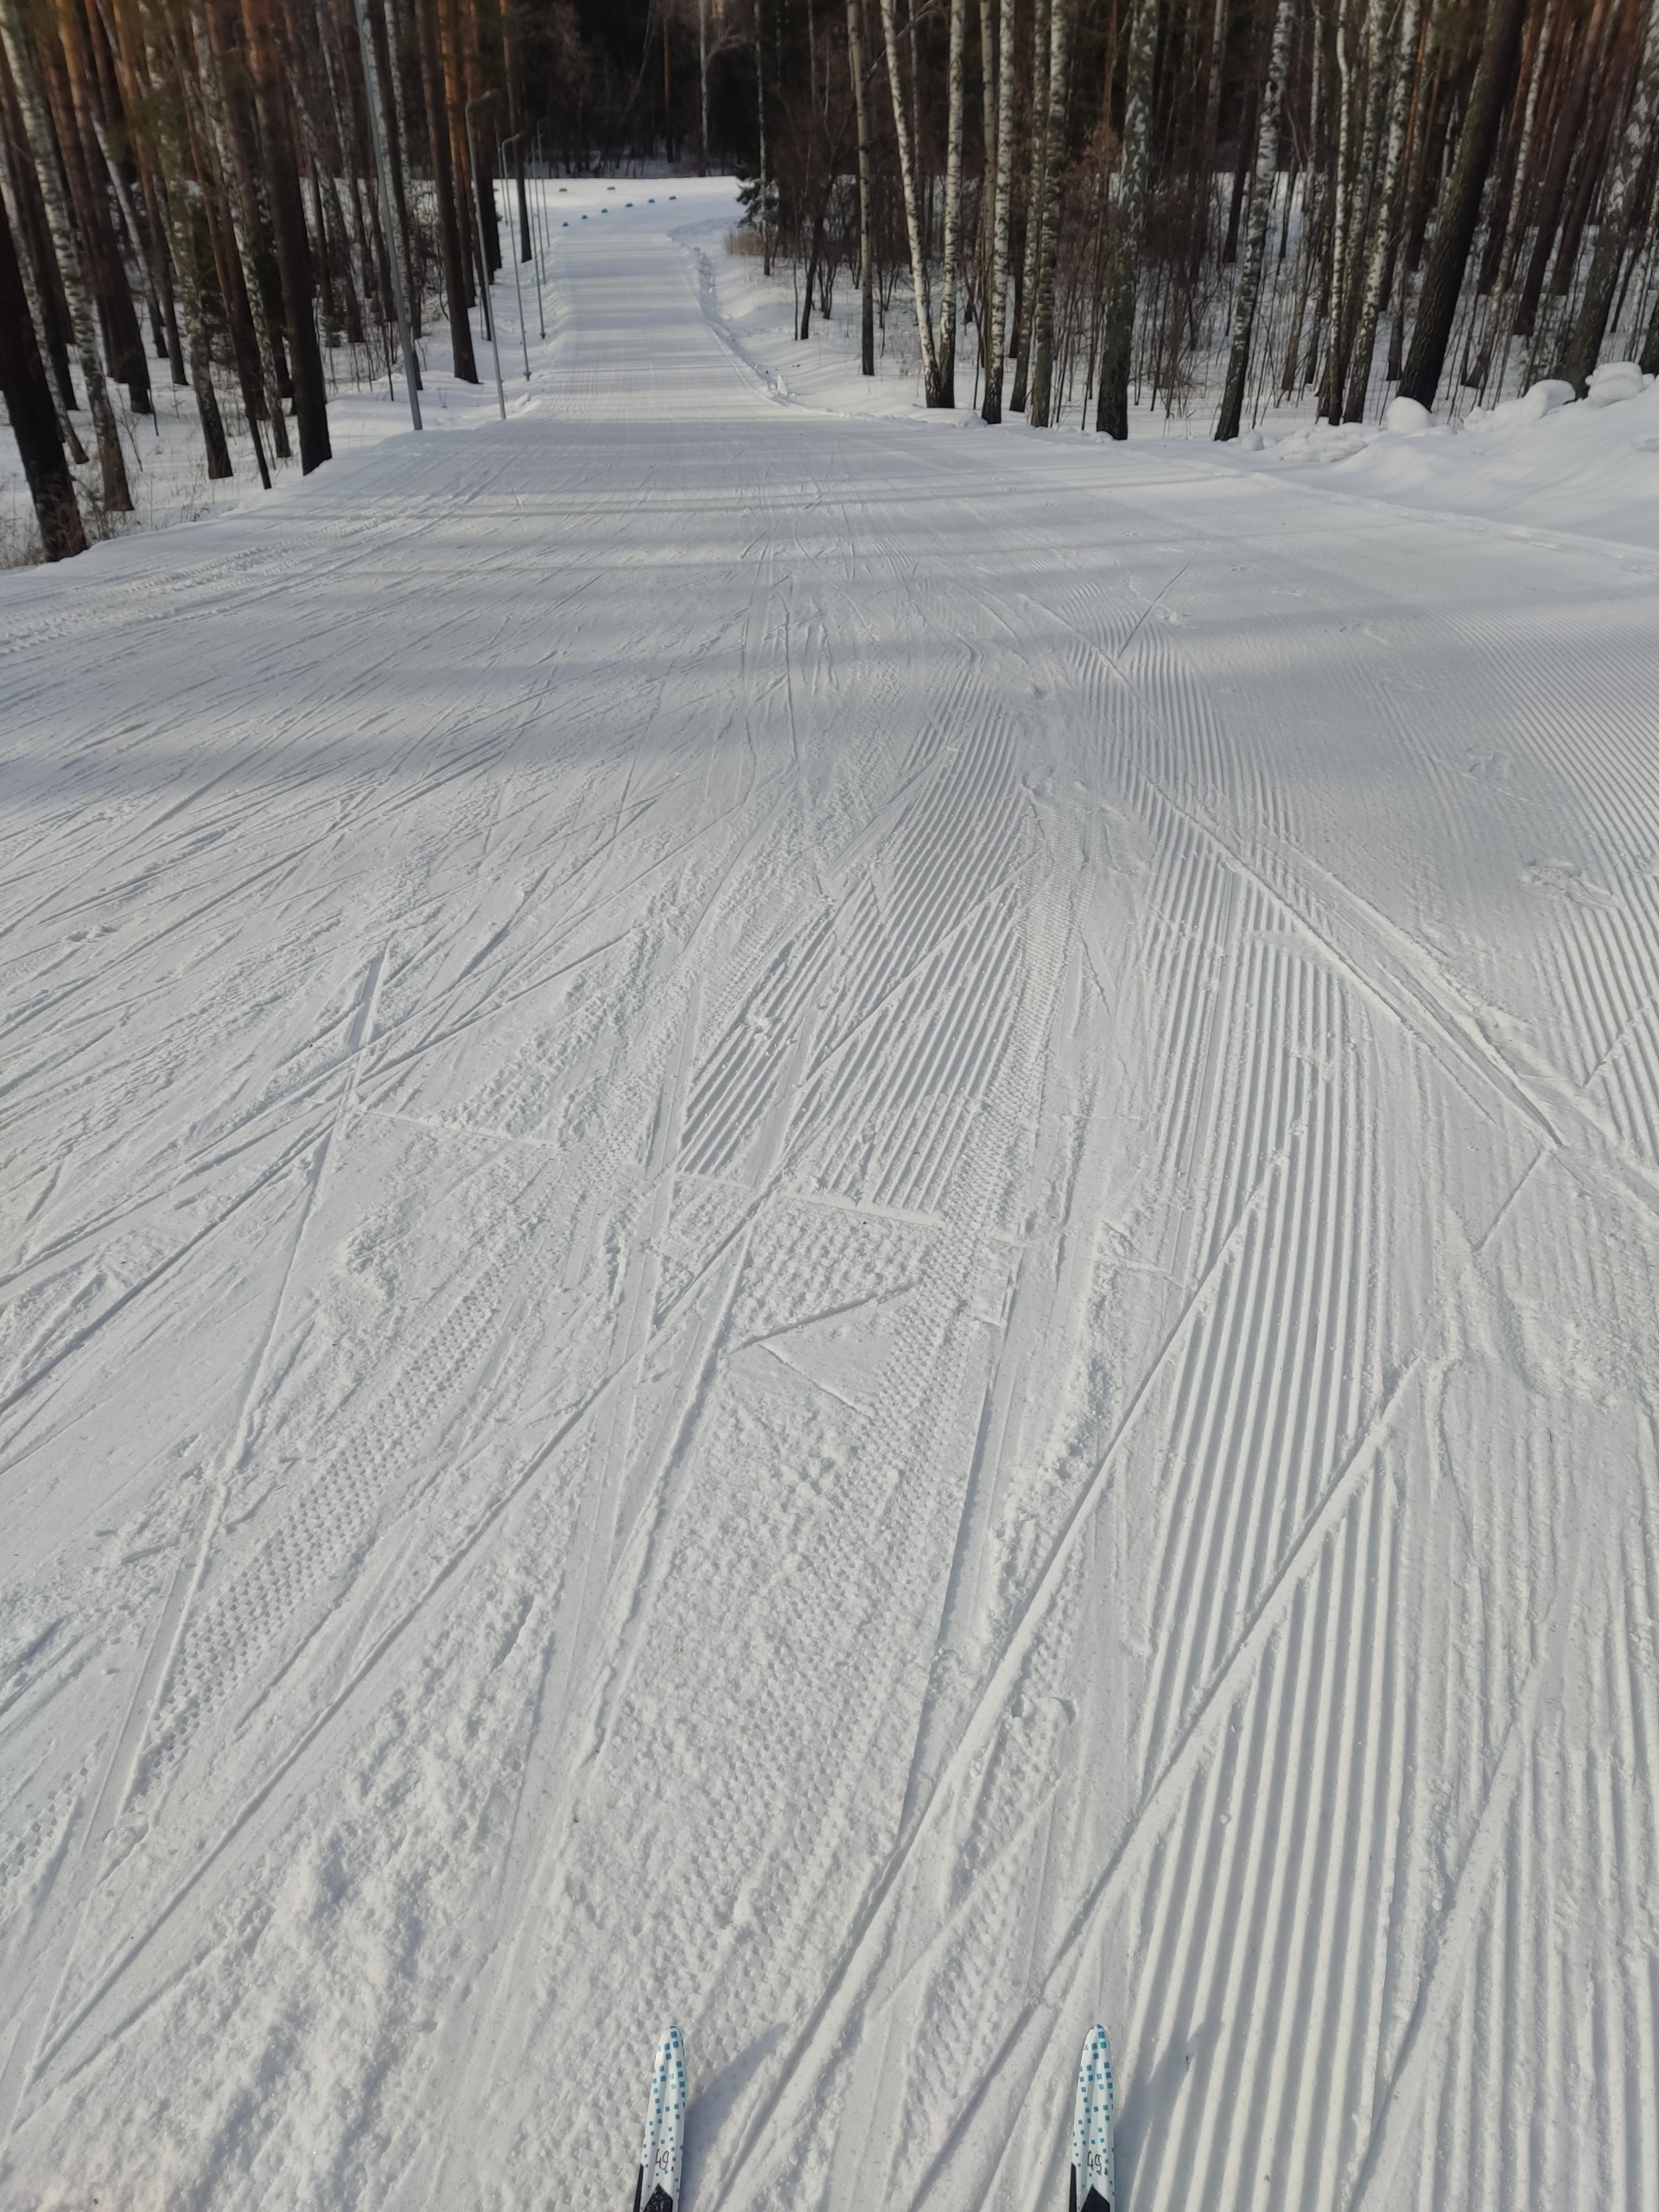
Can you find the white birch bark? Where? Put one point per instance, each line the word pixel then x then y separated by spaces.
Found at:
pixel 948 279
pixel 996 327
pixel 912 212
pixel 1256 235
pixel 1040 51
pixel 1341 216
pixel 1382 250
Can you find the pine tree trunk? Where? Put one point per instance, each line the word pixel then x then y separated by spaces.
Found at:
pixel 912 212
pixel 1459 207
pixel 1565 135
pixel 1583 343
pixel 32 415
pixel 996 332
pixel 443 186
pixel 702 87
pixel 760 134
pixel 396 147
pixel 947 280
pixel 1040 400
pixel 288 229
pixel 1117 342
pixel 855 60
pixel 1028 293
pixel 1255 232
pixel 117 496
pixel 242 205
pixel 1207 136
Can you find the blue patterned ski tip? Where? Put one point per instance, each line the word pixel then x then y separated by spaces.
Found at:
pixel 664 2149
pixel 1094 2161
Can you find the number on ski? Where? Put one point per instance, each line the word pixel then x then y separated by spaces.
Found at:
pixel 1094 2177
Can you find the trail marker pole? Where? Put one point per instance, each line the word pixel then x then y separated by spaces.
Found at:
pixel 540 199
pixel 483 252
pixel 518 141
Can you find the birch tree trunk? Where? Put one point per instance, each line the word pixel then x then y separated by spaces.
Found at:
pixel 1117 339
pixel 1255 234
pixel 861 108
pixel 1039 403
pixel 33 278
pixel 1027 296
pixel 181 246
pixel 72 94
pixel 1383 230
pixel 912 211
pixel 996 321
pixel 1342 217
pixel 1583 342
pixel 952 210
pixel 117 495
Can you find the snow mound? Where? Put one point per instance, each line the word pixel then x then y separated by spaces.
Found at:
pixel 1406 417
pixel 1537 401
pixel 1615 381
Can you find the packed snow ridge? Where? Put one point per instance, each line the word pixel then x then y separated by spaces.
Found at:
pixel 847 1230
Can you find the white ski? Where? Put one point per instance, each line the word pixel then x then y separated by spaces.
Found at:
pixel 665 2143
pixel 1094 2168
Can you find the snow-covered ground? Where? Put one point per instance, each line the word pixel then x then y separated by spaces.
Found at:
pixel 845 1228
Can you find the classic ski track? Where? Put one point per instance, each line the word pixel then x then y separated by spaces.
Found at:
pixel 760 2120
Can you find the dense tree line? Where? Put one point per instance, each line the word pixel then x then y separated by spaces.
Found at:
pixel 1222 202
pixel 1065 202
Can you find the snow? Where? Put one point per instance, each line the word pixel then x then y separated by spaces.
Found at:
pixel 846 1229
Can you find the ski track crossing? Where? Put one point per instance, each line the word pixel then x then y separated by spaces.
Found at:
pixel 847 1230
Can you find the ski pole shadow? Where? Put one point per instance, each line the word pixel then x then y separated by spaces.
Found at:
pixel 1149 2102
pixel 708 2110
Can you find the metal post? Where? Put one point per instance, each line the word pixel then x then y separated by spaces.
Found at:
pixel 388 211
pixel 483 252
pixel 518 289
pixel 541 210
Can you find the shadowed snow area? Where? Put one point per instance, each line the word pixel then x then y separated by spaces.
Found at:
pixel 845 1229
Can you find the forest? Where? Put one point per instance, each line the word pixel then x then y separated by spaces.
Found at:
pixel 1068 207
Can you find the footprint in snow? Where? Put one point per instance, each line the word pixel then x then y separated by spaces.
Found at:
pixel 1569 880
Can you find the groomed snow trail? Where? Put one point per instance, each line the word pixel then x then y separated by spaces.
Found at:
pixel 844 1230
